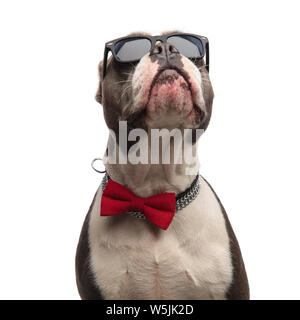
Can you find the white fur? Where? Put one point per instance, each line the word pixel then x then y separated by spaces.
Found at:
pixel 132 259
pixel 142 78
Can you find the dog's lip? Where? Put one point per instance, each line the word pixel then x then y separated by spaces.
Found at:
pixel 156 77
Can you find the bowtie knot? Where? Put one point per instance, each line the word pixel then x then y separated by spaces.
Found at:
pixel 137 204
pixel 117 199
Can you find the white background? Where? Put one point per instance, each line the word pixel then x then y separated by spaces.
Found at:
pixel 51 128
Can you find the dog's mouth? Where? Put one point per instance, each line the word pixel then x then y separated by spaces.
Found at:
pixel 170 97
pixel 168 77
pixel 171 90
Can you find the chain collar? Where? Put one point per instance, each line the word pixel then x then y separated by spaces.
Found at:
pixel 183 199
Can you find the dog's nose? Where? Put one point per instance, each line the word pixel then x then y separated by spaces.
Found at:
pixel 164 51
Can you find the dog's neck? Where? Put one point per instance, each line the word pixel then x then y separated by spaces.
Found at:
pixel 148 179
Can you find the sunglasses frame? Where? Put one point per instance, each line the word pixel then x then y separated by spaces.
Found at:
pixel 110 46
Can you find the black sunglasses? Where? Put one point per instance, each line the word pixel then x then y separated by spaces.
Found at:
pixel 133 48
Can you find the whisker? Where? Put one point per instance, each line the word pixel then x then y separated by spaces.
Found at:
pixel 201 67
pixel 122 81
pixel 125 90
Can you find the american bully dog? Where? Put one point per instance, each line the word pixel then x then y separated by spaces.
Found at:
pixel 157 230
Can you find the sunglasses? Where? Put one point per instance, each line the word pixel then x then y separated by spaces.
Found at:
pixel 132 48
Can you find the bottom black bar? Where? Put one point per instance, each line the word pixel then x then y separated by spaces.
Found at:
pixel 154 309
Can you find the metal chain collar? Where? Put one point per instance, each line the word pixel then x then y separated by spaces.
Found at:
pixel 182 199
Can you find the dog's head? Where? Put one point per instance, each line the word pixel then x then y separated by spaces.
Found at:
pixel 163 90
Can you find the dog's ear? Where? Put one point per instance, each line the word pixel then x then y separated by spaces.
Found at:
pixel 98 96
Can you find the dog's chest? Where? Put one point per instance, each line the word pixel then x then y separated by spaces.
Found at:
pixel 131 259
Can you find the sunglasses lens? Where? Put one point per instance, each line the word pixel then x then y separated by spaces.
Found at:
pixel 132 49
pixel 189 46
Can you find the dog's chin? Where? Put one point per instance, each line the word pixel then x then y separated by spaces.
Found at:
pixel 170 102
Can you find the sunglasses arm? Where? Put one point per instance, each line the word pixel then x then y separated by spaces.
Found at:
pixel 106 50
pixel 207 56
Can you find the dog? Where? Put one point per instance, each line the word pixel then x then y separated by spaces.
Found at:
pixel 123 257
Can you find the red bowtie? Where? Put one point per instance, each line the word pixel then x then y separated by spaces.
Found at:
pixel 159 209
